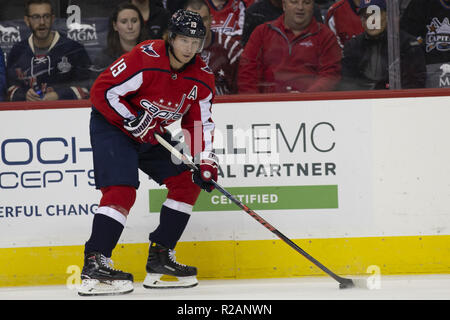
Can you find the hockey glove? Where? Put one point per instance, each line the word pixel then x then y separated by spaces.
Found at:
pixel 207 164
pixel 144 127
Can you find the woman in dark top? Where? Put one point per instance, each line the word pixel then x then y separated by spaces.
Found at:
pixel 126 29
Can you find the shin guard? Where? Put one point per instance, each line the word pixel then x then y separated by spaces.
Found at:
pixel 110 219
pixel 176 210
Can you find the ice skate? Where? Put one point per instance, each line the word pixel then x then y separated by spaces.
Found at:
pixel 161 261
pixel 100 278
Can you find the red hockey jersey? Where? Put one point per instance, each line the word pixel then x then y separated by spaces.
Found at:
pixel 343 20
pixel 222 56
pixel 143 79
pixel 230 18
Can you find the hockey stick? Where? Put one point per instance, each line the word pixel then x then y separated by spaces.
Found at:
pixel 343 282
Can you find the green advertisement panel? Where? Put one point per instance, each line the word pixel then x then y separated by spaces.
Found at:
pixel 260 198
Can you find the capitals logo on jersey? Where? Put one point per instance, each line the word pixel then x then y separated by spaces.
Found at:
pixel 148 50
pixel 438 35
pixel 229 19
pixel 207 69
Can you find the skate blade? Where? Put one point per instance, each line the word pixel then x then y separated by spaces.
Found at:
pixel 153 281
pixel 94 287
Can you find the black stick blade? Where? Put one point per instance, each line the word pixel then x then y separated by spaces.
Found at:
pixel 346 284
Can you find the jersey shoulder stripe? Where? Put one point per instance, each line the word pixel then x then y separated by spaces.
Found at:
pixel 199 81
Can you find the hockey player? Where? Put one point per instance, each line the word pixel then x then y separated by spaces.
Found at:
pixel 157 83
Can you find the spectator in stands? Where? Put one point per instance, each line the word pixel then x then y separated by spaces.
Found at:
pixel 47 65
pixel 126 29
pixel 258 13
pixel 228 15
pixel 294 53
pixel 156 18
pixel 2 76
pixel 342 18
pixel 429 20
pixel 266 10
pixel 365 65
pixel 221 52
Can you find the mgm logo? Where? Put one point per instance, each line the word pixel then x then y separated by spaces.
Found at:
pixel 83 33
pixel 77 31
pixel 9 34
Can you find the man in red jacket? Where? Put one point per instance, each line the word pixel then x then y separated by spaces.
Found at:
pixel 294 53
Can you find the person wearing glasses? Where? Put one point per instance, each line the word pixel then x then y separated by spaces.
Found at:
pixel 47 65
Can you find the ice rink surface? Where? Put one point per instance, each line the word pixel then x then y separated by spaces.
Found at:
pixel 404 287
